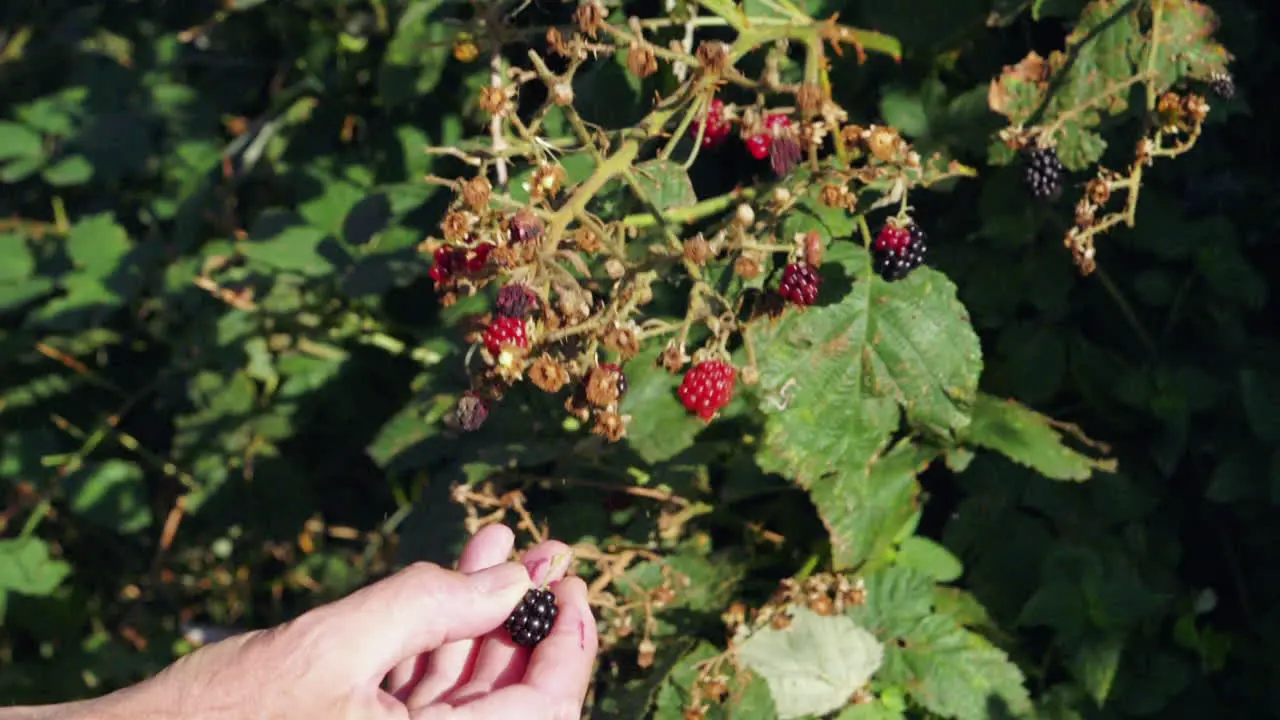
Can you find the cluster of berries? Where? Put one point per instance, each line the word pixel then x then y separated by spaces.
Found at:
pixel 1042 172
pixel 449 260
pixel 783 152
pixel 531 621
pixel 898 249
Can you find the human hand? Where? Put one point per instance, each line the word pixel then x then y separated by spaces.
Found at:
pixel 432 635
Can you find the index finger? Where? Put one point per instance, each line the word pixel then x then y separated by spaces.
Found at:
pixel 561 665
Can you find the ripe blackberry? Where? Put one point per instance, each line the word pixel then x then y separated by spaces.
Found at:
pixel 1222 85
pixel 531 622
pixel 516 301
pixel 717 125
pixel 799 284
pixel 1043 173
pixel 707 387
pixel 506 332
pixel 898 250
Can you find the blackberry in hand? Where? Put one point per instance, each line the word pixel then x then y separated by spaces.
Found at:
pixel 531 622
pixel 1222 85
pixel 1043 173
pixel 898 250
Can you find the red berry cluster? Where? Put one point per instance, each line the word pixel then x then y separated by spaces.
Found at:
pixel 707 387
pixel 760 144
pixel 898 249
pixel 449 260
pixel 506 332
pixel 717 126
pixel 799 284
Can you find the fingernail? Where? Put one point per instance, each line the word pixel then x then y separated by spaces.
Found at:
pixel 501 578
pixel 536 567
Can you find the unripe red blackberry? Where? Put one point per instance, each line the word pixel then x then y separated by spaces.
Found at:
pixel 717 125
pixel 898 250
pixel 1043 173
pixel 517 301
pixel 759 145
pixel 506 332
pixel 531 621
pixel 707 387
pixel 799 284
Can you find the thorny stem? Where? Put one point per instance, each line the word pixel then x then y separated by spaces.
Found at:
pixel 692 213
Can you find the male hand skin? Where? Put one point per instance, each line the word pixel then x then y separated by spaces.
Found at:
pixel 424 644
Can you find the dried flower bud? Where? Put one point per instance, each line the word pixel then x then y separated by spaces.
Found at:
pixel 586 240
pixel 548 375
pixel 748 265
pixel 556 42
pixel 812 248
pixel 494 100
pixel 614 268
pixel 605 385
pixel 1196 108
pixel 574 304
pixel 884 143
pixel 744 215
pixel 456 225
pixel 610 425
pixel 471 412
pixel 475 192
pixel 1098 191
pixel 809 99
pixel 622 340
pixel 641 61
pixel 546 182
pixel 645 653
pixel 838 196
pixel 524 227
pixel 673 357
pixel 697 250
pixel 713 55
pixel 590 17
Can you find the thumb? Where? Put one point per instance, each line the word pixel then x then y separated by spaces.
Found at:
pixel 417 610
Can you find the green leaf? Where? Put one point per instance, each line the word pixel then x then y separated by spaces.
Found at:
pixel 862 509
pixel 666 183
pixel 1185 44
pixel 70 170
pixel 278 241
pixel 930 558
pixel 19 141
pixel 814 664
pixel 1028 438
pixel 1087 80
pixel 27 569
pixel 954 672
pixel 416 56
pixel 112 494
pixel 1094 662
pixel 883 346
pixel 96 244
pixel 16 262
pixel 660 426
